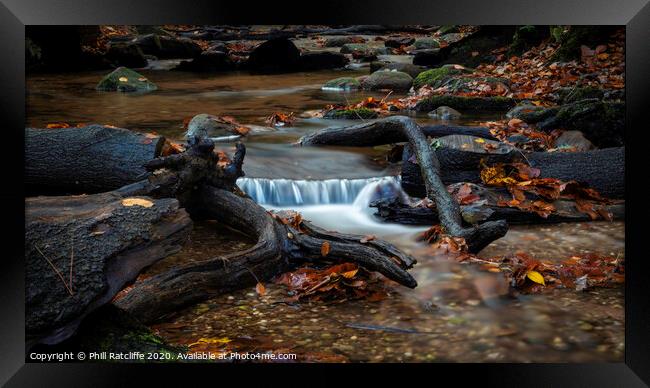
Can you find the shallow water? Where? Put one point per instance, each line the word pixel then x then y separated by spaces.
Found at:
pixel 457 312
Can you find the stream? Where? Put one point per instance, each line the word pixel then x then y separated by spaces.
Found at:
pixel 458 313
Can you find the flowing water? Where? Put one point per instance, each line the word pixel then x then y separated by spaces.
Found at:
pixel 457 312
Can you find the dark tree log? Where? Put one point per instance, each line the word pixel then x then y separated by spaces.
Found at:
pixel 394 210
pixel 81 250
pixel 400 127
pixel 383 132
pixel 207 190
pixel 603 170
pixel 86 160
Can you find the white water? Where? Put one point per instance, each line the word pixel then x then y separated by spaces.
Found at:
pixel 333 204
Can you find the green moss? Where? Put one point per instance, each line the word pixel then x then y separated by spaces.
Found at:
pixel 342 83
pixel 434 77
pixel 526 37
pixel 570 40
pixel 466 104
pixel 570 95
pixel 351 114
pixel 124 79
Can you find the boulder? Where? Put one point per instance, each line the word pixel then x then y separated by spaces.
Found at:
pixel 350 48
pixel 275 56
pixel 318 60
pixel 167 47
pixel 574 140
pixel 519 111
pixel 338 41
pixel 445 113
pixel 398 41
pixel 437 77
pixel 426 43
pixel 126 54
pixel 430 57
pixel 388 79
pixel 208 126
pixel 343 83
pixel 124 79
pixel 408 68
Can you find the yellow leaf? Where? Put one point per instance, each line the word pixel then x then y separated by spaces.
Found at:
pixel 350 274
pixel 536 277
pixel 479 140
pixel 123 79
pixel 137 202
pixel 261 290
pixel 223 340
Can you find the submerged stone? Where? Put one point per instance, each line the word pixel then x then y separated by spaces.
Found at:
pixel 124 79
pixel 388 79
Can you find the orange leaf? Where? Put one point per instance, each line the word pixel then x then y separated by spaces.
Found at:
pixel 261 290
pixel 325 249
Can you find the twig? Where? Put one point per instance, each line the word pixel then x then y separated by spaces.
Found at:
pixel 55 270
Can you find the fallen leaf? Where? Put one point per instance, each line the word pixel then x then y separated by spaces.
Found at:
pixel 123 79
pixel 137 202
pixel 261 290
pixel 536 277
pixel 325 249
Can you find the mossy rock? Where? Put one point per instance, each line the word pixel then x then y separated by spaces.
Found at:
pixel 426 43
pixel 342 83
pixel 112 330
pixel 569 95
pixel 571 39
pixel 124 79
pixel 466 104
pixel 435 77
pixel 349 48
pixel 408 68
pixel 448 29
pixel 527 37
pixel 388 79
pixel 351 114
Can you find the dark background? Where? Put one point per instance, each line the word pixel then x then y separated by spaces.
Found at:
pixel 14 14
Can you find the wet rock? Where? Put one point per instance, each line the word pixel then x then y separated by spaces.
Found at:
pixel 518 111
pixel 126 54
pixel 339 41
pixel 435 77
pixel 350 48
pixel 208 61
pixel 573 38
pixel 318 60
pixel 205 125
pixel 430 57
pixel 275 56
pixel 448 29
pixel 398 41
pixel 445 113
pixel 351 114
pixel 123 79
pixel 410 69
pixel 343 83
pixel 167 47
pixel 465 104
pixel 426 43
pixel 388 79
pixel 575 140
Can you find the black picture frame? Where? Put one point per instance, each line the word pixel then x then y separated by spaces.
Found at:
pixel 635 14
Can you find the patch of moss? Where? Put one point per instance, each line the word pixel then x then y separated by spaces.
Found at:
pixel 570 95
pixel 342 83
pixel 466 104
pixel 351 114
pixel 570 40
pixel 124 79
pixel 526 37
pixel 434 77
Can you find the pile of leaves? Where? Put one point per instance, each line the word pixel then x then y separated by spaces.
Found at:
pixel 521 179
pixel 529 275
pixel 537 140
pixel 380 106
pixel 279 119
pixel 338 282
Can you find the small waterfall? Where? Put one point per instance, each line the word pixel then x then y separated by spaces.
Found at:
pixel 288 192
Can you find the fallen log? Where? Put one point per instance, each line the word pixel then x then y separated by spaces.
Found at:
pixel 81 250
pixel 400 127
pixel 396 211
pixel 284 241
pixel 383 132
pixel 90 159
pixel 603 170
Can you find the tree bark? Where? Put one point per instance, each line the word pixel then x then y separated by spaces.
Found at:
pixel 91 159
pixel 602 170
pixel 81 250
pixel 394 210
pixel 383 132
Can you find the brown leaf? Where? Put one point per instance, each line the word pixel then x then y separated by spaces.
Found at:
pixel 366 238
pixel 260 289
pixel 325 249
